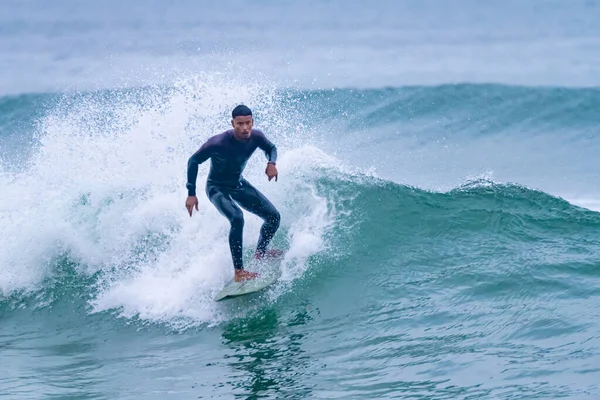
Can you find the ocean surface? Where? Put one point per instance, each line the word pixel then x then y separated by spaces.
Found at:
pixel 439 187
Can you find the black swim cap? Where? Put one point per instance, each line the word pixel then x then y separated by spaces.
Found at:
pixel 241 111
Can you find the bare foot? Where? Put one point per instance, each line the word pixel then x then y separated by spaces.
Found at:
pixel 243 275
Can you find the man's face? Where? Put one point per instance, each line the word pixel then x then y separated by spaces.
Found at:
pixel 242 126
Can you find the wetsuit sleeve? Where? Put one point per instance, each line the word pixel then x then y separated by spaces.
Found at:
pixel 196 159
pixel 268 147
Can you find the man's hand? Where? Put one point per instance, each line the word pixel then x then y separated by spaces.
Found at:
pixel 190 203
pixel 271 171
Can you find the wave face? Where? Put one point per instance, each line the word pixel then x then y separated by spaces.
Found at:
pixel 425 276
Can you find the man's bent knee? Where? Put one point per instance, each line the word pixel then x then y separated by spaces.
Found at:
pixel 274 218
pixel 237 221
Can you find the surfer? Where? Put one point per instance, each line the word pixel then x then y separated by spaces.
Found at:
pixel 229 152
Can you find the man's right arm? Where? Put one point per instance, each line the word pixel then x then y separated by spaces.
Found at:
pixel 196 159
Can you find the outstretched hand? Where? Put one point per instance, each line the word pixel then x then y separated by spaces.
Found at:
pixel 190 202
pixel 271 171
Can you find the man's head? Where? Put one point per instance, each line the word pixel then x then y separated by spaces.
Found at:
pixel 242 122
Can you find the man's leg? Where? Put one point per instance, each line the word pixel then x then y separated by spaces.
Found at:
pixel 255 202
pixel 223 202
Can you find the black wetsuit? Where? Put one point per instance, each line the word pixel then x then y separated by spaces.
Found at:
pixel 225 186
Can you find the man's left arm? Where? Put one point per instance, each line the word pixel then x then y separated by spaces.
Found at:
pixel 270 152
pixel 268 147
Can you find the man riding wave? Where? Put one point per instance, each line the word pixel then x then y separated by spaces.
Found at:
pixel 229 153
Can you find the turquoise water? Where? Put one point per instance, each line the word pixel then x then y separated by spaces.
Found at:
pixel 442 229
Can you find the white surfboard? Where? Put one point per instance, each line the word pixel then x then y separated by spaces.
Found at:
pixel 234 289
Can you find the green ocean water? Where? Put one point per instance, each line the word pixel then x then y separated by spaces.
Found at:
pixel 484 289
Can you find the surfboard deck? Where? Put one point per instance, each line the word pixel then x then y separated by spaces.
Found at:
pixel 235 289
pixel 268 275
